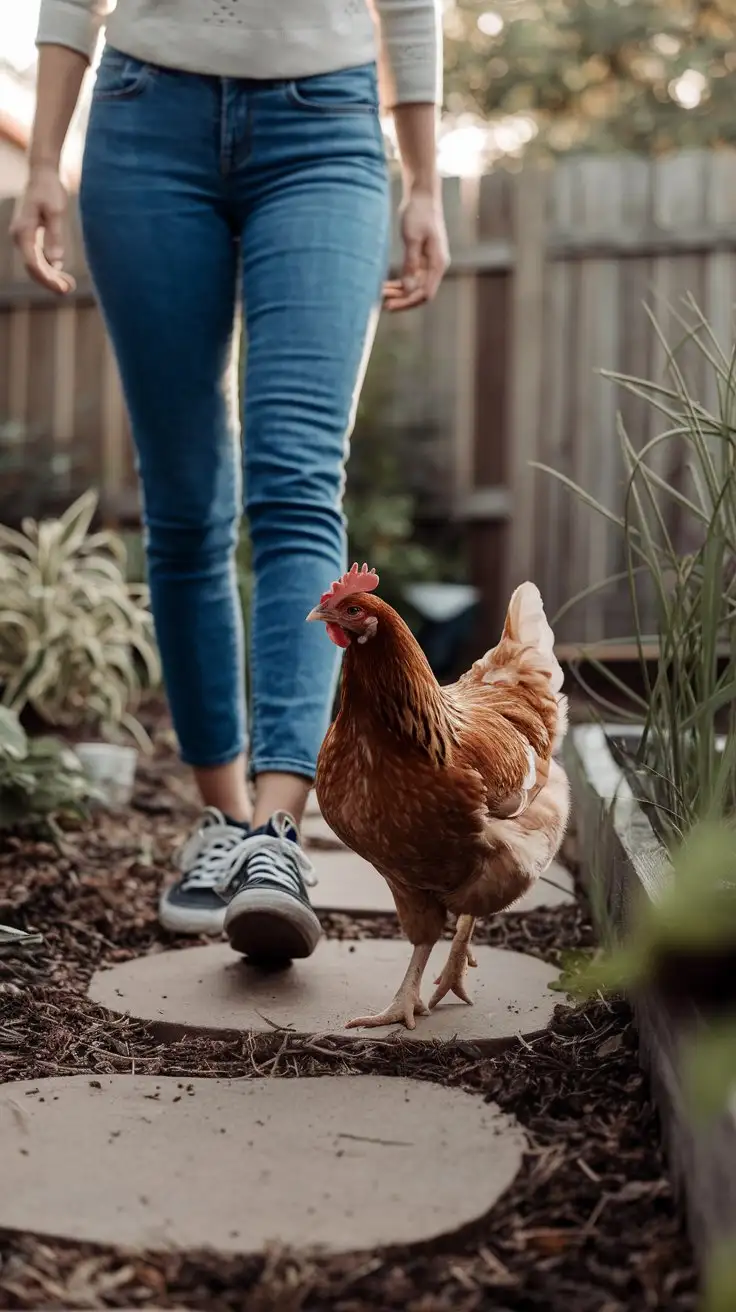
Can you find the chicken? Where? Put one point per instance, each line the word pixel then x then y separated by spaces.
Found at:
pixel 452 793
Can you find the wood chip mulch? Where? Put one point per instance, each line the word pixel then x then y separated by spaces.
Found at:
pixel 589 1225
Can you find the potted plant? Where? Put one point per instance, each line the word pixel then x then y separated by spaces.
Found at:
pixel 76 639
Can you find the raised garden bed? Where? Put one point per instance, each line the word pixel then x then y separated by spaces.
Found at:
pixel 623 866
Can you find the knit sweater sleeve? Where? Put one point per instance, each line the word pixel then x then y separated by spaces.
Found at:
pixel 71 23
pixel 411 50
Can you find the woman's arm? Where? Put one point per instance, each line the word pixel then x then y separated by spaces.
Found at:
pixel 67 33
pixel 426 252
pixel 37 226
pixel 60 75
pixel 411 66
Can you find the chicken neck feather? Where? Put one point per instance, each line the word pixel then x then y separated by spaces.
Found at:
pixel 390 682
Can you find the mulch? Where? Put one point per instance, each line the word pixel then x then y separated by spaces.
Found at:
pixel 590 1224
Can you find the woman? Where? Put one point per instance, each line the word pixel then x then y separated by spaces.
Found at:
pixel 234 153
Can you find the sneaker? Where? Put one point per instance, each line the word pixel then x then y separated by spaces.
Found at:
pixel 269 917
pixel 192 905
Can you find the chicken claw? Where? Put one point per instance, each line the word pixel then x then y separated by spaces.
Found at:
pixel 407 1003
pixel 402 1011
pixel 452 979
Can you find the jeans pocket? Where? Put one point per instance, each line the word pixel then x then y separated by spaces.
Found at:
pixel 121 77
pixel 347 91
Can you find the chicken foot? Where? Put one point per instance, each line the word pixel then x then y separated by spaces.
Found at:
pixel 452 979
pixel 407 1004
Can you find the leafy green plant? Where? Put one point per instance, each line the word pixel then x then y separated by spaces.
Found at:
pixel 76 640
pixel 680 550
pixel 642 76
pixel 695 914
pixel 719 1293
pixel 40 778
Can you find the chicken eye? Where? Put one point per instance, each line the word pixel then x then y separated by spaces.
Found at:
pixel 353 610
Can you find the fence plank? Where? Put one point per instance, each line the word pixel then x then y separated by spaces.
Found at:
pixel 527 354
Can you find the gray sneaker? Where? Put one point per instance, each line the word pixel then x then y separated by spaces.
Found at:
pixel 213 852
pixel 269 917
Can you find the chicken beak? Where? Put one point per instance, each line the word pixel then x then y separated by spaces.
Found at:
pixel 316 614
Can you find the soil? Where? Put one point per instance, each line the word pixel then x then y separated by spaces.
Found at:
pixel 589 1225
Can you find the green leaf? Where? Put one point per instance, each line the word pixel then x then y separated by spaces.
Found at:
pixel 573 963
pixel 719 1294
pixel 76 642
pixel 709 1068
pixel 13 741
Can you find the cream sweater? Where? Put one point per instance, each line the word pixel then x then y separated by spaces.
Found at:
pixel 265 38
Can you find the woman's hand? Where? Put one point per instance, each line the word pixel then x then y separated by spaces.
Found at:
pixel 37 229
pixel 426 252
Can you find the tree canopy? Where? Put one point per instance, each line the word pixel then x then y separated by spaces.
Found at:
pixel 640 75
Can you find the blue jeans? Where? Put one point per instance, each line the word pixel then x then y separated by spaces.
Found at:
pixel 197 193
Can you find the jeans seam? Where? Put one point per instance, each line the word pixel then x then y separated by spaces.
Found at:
pixel 328 111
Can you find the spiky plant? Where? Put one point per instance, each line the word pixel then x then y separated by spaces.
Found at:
pixel 680 550
pixel 76 640
pixel 40 778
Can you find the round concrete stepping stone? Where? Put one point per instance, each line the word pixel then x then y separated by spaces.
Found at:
pixel 233 1165
pixel 317 833
pixel 348 883
pixel 212 990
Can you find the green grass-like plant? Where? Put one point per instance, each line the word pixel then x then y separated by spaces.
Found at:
pixel 679 536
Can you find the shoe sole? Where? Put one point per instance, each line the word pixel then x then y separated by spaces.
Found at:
pixel 186 920
pixel 268 926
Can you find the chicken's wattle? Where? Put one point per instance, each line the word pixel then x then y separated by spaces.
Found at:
pixel 338 635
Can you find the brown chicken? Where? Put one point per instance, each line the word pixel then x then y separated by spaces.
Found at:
pixel 451 793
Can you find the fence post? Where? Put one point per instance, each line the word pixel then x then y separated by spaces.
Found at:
pixel 466 344
pixel 525 381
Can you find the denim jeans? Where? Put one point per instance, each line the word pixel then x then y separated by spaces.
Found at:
pixel 198 194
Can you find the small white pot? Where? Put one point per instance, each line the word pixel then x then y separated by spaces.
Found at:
pixel 111 769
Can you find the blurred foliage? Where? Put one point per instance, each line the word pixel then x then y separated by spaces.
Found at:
pixel 640 75
pixel 40 778
pixel 695 914
pixel 719 1293
pixel 76 640
pixel 380 506
pixel 693 917
pixel 679 532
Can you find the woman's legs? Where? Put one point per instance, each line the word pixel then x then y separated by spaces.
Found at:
pixel 164 260
pixel 314 238
pixel 177 167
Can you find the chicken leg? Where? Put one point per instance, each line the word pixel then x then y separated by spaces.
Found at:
pixel 407 1003
pixel 452 979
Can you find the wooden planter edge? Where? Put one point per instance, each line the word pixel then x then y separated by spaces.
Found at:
pixel 622 864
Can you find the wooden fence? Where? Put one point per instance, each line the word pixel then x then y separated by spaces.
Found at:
pixel 551 269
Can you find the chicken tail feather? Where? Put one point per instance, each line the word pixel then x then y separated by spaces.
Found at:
pixel 527 624
pixel 526 650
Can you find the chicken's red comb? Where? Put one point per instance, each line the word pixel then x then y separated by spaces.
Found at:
pixel 356 580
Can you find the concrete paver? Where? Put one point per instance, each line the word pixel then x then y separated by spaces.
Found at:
pixel 342 1163
pixel 212 990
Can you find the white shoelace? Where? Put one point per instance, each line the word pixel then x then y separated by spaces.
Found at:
pixel 212 851
pixel 277 859
pixel 217 852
